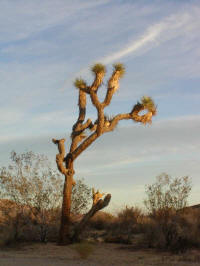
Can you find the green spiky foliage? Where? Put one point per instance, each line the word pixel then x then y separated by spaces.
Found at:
pixel 119 67
pixel 148 103
pixel 80 83
pixel 98 68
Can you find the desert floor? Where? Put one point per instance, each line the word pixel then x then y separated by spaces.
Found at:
pixel 102 254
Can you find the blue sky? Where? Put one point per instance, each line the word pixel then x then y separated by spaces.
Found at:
pixel 45 45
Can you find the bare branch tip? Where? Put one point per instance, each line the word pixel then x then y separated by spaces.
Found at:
pixel 55 141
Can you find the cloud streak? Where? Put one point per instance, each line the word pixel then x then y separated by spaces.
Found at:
pixel 182 23
pixel 149 36
pixel 166 29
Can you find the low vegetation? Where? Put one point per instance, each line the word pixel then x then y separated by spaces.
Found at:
pixel 168 224
pixel 30 199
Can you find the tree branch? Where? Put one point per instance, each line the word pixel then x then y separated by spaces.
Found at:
pixel 97 81
pixel 113 83
pixel 60 156
pixel 78 128
pixel 146 104
pixel 113 123
pixel 99 205
pixel 86 143
pixel 99 71
pixel 96 196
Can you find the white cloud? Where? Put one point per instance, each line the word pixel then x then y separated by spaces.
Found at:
pixel 175 25
pixel 149 36
pixel 179 31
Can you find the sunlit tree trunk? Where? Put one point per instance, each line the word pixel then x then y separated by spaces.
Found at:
pixel 82 139
pixel 65 227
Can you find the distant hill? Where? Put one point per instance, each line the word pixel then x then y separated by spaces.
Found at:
pixel 197 206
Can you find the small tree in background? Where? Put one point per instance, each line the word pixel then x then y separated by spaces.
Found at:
pixel 35 190
pixel 167 193
pixel 169 227
pixel 81 196
pixel 84 133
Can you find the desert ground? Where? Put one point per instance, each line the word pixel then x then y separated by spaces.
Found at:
pixel 51 254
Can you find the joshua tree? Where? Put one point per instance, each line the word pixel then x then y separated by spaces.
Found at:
pixel 81 141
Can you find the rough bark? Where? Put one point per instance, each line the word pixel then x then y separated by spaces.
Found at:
pixel 64 235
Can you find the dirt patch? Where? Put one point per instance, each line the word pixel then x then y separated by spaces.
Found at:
pixel 102 254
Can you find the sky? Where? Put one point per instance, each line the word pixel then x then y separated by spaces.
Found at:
pixel 45 45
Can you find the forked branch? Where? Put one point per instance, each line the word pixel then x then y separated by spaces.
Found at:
pixel 99 205
pixel 60 157
pixel 96 196
pixel 103 124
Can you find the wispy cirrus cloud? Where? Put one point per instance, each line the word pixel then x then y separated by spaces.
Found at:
pixel 170 27
pixel 182 24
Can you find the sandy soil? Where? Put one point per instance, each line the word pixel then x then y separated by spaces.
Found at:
pixel 103 254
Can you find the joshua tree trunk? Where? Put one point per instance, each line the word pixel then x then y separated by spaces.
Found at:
pixel 66 207
pixel 80 141
pixel 65 228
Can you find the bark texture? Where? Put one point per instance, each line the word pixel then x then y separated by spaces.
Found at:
pixel 84 133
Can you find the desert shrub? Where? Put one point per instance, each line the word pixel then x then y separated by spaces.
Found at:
pixel 7 235
pixel 130 219
pixel 192 218
pixel 167 194
pixel 101 221
pixel 120 228
pixel 168 228
pixel 34 189
pixel 81 197
pixel 175 231
pixel 126 220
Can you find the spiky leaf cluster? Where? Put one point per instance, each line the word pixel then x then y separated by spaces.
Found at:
pixel 98 68
pixel 80 83
pixel 148 103
pixel 119 67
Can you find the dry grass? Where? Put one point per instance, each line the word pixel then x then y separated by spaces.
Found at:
pixel 102 220
pixel 166 231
